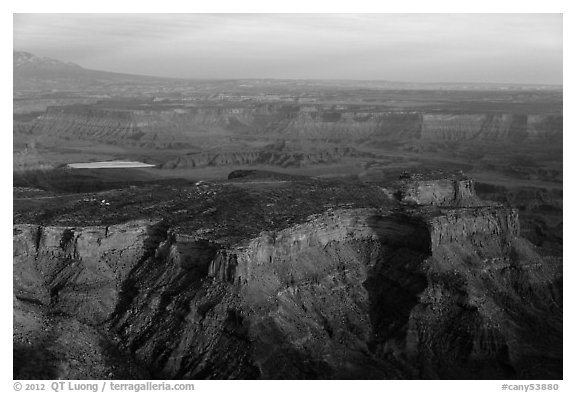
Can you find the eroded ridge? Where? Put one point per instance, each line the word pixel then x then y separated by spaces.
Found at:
pixel 422 290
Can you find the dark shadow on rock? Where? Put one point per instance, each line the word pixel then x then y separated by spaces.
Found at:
pixel 129 288
pixel 395 281
pixel 34 362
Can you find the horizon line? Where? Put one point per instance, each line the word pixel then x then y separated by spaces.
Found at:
pixel 554 85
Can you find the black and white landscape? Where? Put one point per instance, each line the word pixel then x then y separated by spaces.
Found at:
pixel 218 199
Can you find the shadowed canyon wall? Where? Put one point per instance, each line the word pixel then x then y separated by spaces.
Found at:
pixel 361 293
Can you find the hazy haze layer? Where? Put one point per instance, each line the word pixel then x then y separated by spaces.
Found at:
pixel 484 48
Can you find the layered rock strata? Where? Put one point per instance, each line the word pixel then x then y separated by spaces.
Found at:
pixel 360 293
pixel 147 125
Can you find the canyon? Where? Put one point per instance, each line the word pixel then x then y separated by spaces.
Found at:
pixel 361 139
pixel 170 125
pixel 284 229
pixel 417 288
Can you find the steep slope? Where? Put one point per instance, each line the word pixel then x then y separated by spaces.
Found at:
pixel 150 124
pixel 139 128
pixel 413 292
pixel 279 157
pixel 511 128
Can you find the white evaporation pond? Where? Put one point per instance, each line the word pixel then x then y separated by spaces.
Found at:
pixel 109 164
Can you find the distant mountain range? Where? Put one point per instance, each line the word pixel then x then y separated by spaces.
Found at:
pixel 36 73
pixel 26 62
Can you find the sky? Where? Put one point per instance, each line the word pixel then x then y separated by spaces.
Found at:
pixel 480 48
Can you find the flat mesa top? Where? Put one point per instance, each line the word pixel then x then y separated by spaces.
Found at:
pixel 109 164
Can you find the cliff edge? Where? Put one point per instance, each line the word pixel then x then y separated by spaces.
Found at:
pixel 442 288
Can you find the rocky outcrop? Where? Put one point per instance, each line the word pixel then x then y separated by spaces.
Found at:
pixel 438 192
pixel 358 293
pixel 480 226
pixel 80 271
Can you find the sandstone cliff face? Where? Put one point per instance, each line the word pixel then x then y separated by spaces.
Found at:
pixel 282 158
pixel 79 270
pixel 88 122
pixel 443 192
pixel 167 127
pixel 493 226
pixel 504 127
pixel 363 294
pixel 136 127
pixel 360 293
pixel 67 283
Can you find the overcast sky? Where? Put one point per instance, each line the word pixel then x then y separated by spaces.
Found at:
pixel 503 48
